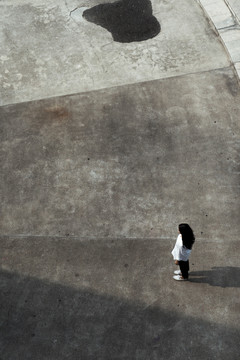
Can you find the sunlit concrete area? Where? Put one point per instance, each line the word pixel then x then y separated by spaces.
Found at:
pixel 107 144
pixel 47 50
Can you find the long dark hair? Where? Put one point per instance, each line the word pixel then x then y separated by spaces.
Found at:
pixel 188 237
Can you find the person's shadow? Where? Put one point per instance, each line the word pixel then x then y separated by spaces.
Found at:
pixel 228 276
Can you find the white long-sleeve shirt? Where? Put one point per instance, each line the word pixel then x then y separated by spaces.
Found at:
pixel 180 252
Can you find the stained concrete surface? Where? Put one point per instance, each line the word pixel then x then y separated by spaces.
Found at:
pixel 125 161
pixel 93 186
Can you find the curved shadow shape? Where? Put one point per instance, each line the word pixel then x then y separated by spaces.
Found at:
pixel 228 276
pixel 127 20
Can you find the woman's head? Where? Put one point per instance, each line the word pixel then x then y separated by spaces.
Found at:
pixel 188 237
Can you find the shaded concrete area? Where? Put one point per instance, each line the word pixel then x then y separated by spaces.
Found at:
pixel 124 162
pixel 109 299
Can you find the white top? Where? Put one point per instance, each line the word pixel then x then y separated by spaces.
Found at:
pixel 180 252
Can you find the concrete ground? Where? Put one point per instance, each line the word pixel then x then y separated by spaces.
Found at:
pixel 105 148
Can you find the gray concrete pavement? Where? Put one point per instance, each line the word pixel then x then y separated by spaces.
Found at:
pixel 234 6
pixel 45 52
pixel 225 17
pixel 105 299
pixel 94 183
pixel 126 161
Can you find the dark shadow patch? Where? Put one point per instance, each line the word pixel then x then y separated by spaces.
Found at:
pixel 42 320
pixel 232 84
pixel 127 20
pixel 46 313
pixel 228 276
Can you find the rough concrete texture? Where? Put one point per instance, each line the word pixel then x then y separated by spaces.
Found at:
pixel 68 299
pixel 219 12
pixel 231 38
pixel 45 52
pixel 224 16
pixel 235 7
pixel 125 161
pixel 94 184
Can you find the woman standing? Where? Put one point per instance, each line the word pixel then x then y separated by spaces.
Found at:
pixel 182 251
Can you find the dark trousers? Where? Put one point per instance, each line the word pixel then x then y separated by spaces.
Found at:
pixel 184 267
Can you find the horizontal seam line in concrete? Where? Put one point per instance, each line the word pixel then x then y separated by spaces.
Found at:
pixel 21 236
pixel 94 238
pixel 231 66
pixel 232 27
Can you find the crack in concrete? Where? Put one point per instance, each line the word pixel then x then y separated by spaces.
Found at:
pixel 231 27
pixel 70 14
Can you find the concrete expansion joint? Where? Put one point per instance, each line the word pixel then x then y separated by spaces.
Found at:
pixel 235 13
pixel 229 28
pixel 80 238
pixel 83 238
pixel 224 16
pixel 224 68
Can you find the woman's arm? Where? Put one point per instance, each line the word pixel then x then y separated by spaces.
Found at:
pixel 177 249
